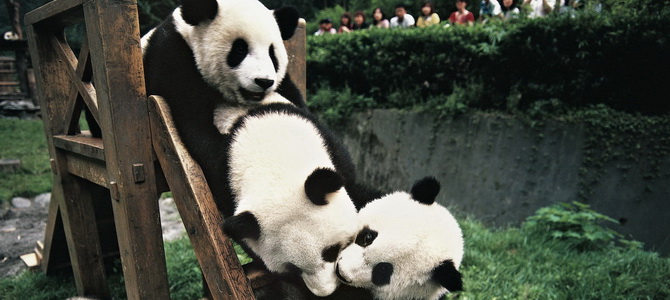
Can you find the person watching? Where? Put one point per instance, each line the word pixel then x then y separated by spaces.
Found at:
pixel 402 19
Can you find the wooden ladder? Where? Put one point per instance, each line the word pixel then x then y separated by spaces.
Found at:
pixel 105 192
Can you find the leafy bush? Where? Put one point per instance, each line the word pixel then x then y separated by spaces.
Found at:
pixel 333 106
pixel 615 59
pixel 574 223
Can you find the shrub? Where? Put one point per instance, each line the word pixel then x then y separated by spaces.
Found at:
pixel 576 224
pixel 615 59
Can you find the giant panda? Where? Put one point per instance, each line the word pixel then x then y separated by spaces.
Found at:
pixel 407 247
pixel 218 53
pixel 293 193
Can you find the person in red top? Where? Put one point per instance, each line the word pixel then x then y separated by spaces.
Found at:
pixel 462 15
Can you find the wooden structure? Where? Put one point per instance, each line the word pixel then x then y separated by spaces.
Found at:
pixel 105 193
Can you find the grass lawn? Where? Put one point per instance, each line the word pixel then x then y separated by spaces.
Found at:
pixel 24 140
pixel 508 263
pixel 571 257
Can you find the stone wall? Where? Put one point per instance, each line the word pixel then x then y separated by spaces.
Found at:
pixel 501 171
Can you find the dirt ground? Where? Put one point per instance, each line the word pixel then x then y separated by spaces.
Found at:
pixel 21 228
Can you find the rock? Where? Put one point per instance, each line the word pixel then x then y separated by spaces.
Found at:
pixel 20 202
pixel 9 165
pixel 43 199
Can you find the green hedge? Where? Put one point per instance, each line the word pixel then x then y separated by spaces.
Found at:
pixel 622 61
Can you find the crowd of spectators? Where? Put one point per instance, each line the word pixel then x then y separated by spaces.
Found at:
pixel 488 10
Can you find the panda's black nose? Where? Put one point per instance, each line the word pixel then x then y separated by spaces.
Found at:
pixel 264 83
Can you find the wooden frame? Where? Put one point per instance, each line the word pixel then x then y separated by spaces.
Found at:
pixel 122 169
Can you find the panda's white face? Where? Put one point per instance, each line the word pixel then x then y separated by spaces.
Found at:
pixel 308 241
pixel 404 249
pixel 240 52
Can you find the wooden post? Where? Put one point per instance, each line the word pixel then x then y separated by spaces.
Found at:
pixel 116 57
pixel 297 66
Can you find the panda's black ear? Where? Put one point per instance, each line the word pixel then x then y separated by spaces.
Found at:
pixel 448 277
pixel 242 226
pixel 287 19
pixel 322 182
pixel 425 190
pixel 196 11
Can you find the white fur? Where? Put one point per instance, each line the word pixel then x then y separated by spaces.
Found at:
pixel 271 156
pixel 144 41
pixel 225 116
pixel 211 42
pixel 415 238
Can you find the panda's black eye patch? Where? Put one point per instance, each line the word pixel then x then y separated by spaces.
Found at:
pixel 365 237
pixel 273 57
pixel 238 52
pixel 330 253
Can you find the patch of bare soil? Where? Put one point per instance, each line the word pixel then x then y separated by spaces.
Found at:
pixel 22 225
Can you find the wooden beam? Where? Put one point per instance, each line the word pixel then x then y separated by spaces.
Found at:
pixel 114 40
pixel 82 145
pixel 203 221
pixel 296 49
pixel 63 10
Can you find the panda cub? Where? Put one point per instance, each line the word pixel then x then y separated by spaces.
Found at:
pixel 292 185
pixel 407 247
pixel 210 54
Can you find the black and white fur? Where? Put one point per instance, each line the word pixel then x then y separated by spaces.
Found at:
pixel 211 54
pixel 407 247
pixel 294 191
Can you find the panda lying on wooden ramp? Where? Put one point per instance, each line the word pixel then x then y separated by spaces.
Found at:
pixel 293 193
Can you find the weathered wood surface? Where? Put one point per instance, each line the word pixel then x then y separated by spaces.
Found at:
pixel 297 66
pixel 222 271
pixel 114 40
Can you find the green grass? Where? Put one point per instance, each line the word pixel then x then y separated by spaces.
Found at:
pixel 24 140
pixel 508 263
pixel 514 264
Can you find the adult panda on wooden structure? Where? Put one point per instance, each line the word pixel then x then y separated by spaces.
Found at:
pixel 209 54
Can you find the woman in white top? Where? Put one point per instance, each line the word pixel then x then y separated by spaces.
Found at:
pixel 540 8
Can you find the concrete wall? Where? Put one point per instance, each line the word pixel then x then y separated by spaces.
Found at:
pixel 501 171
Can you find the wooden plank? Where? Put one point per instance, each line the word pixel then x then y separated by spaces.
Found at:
pixel 218 261
pixel 52 79
pixel 114 40
pixel 297 67
pixel 87 168
pixel 56 9
pixel 80 144
pixel 82 237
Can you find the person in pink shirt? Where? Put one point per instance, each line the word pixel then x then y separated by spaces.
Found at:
pixel 462 16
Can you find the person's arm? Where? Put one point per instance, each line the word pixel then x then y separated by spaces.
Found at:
pixel 497 10
pixel 435 19
pixel 548 6
pixel 470 19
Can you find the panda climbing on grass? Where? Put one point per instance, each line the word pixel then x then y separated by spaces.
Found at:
pixel 211 54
